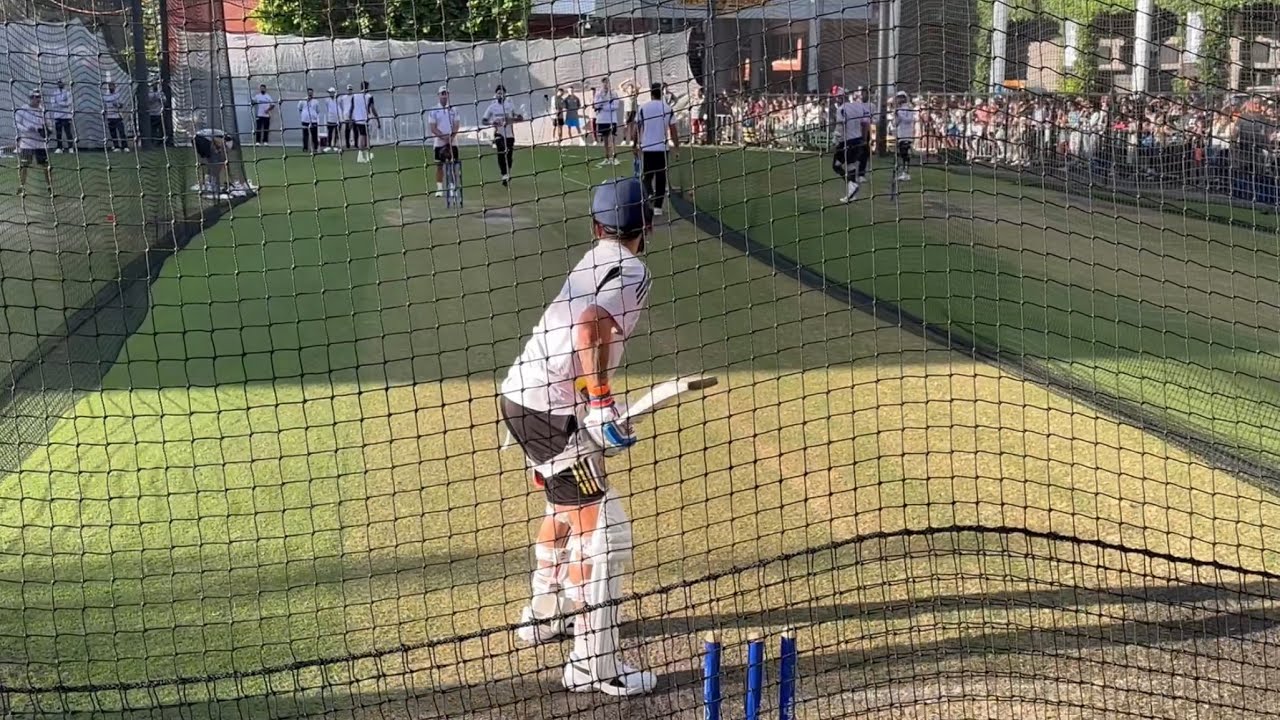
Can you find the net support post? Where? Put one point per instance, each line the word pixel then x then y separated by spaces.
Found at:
pixel 141 118
pixel 999 43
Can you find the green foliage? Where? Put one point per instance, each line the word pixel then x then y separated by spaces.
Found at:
pixel 395 19
pixel 1215 50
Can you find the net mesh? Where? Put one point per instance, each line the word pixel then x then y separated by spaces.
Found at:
pixel 993 437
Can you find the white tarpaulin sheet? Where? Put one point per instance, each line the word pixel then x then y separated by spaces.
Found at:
pixel 404 76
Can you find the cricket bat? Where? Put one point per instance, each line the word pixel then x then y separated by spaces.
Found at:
pixel 667 393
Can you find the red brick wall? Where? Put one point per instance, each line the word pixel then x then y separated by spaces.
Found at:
pixel 237 14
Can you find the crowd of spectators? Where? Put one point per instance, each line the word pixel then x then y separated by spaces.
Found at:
pixel 1210 142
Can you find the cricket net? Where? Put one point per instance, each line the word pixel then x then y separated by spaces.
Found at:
pixel 991 438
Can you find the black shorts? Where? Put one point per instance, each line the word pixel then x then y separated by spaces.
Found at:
pixel 444 153
pixel 905 147
pixel 606 130
pixel 849 151
pixel 559 121
pixel 33 156
pixel 362 129
pixel 542 436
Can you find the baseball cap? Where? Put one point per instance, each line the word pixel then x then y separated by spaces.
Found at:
pixel 349 86
pixel 500 88
pixel 443 89
pixel 619 205
pixel 34 94
pixel 333 90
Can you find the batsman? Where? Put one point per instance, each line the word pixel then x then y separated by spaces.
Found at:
pixel 557 405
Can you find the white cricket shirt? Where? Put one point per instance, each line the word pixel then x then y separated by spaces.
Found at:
pixel 653 118
pixel 904 123
pixel 332 113
pixel 852 115
pixel 29 121
pixel 608 276
pixel 360 108
pixel 606 107
pixel 262 103
pixel 309 111
pixel 344 106
pixel 111 104
pixel 499 116
pixel 445 120
pixel 60 105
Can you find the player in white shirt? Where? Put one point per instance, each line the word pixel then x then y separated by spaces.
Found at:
pixel 655 132
pixel 61 112
pixel 112 110
pixel 608 111
pixel 904 131
pixel 332 119
pixel 344 115
pixel 557 405
pixel 363 112
pixel 32 142
pixel 442 125
pixel 263 105
pixel 850 162
pixel 500 115
pixel 309 116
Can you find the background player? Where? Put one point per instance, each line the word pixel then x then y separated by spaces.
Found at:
pixel 904 132
pixel 608 108
pixel 442 124
pixel 500 115
pixel 33 145
pixel 566 434
pixel 655 132
pixel 363 112
pixel 850 161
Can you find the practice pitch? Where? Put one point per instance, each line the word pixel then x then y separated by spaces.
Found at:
pixel 288 498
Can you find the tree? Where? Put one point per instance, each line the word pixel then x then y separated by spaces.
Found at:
pixel 395 19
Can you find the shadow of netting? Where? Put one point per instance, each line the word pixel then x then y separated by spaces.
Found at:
pixel 954 622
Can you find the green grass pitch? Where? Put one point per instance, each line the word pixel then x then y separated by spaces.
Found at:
pixel 296 457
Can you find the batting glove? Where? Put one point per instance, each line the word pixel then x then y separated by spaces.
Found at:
pixel 604 423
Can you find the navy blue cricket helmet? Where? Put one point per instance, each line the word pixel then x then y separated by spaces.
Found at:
pixel 620 207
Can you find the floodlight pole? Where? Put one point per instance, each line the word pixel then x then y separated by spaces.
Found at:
pixel 142 120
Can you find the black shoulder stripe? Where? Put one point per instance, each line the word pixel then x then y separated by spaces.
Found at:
pixel 614 272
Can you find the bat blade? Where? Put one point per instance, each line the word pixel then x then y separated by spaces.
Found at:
pixel 667 393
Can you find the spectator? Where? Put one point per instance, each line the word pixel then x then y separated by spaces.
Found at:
pixel 113 112
pixel 61 109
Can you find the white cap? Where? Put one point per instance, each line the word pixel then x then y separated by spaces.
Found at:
pixel 443 89
pixel 333 90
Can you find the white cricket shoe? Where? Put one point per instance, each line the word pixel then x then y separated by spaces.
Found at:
pixel 58 151
pixel 906 176
pixel 438 194
pixel 506 180
pixel 853 193
pixel 577 678
pixel 657 212
pixel 862 179
pixel 533 632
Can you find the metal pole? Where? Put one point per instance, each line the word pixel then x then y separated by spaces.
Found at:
pixel 895 9
pixel 709 70
pixel 141 120
pixel 1142 45
pixel 815 38
pixel 166 73
pixel 882 75
pixel 999 40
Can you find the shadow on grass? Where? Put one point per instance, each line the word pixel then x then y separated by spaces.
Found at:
pixel 1209 633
